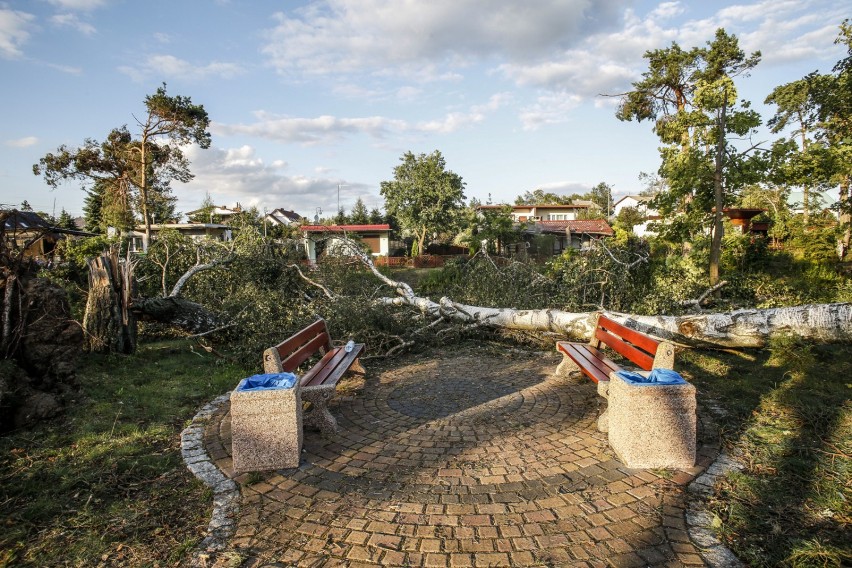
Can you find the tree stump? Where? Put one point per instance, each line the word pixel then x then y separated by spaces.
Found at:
pixel 109 325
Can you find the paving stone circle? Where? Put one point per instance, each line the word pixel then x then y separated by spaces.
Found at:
pixel 473 459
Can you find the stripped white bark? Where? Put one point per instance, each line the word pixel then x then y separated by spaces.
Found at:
pixel 740 328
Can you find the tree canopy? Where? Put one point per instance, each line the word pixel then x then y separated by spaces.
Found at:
pixel 691 96
pixel 130 176
pixel 424 196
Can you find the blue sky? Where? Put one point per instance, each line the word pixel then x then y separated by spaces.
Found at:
pixel 308 96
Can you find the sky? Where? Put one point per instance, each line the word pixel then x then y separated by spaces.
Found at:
pixel 312 102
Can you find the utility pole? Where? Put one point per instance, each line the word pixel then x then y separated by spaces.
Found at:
pixel 338 196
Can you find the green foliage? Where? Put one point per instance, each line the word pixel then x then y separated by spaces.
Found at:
pixel 541 197
pixel 359 215
pixel 424 196
pixel 129 177
pixel 692 97
pixel 629 217
pixel 489 228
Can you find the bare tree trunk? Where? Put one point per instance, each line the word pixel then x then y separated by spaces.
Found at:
pixel 718 188
pixel 108 324
pixel 845 219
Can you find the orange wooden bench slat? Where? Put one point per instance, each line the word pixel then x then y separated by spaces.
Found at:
pixel 331 367
pixel 295 358
pixel 605 363
pixel 591 361
pixel 640 340
pixel 641 358
pixel 298 340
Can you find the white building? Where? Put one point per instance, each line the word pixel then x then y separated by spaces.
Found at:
pixel 639 202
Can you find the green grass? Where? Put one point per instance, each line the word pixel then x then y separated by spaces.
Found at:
pixel 790 423
pixel 105 485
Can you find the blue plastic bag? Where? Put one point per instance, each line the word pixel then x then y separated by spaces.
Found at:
pixel 657 377
pixel 268 381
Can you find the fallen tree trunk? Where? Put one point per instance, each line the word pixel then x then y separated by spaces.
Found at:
pixel 178 312
pixel 740 328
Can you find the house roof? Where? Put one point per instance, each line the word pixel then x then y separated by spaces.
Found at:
pixel 220 210
pixel 291 216
pixel 29 220
pixel 639 198
pixel 578 226
pixel 576 205
pixel 24 221
pixel 344 228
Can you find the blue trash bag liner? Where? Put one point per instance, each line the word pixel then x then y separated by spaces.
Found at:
pixel 268 382
pixel 657 377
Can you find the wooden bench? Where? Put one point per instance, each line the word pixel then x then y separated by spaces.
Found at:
pixel 643 351
pixel 318 383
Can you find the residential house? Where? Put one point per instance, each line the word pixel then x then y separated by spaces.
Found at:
pixel 641 203
pixel 218 214
pixel 283 217
pixel 522 213
pixel 195 231
pixel 324 239
pixel 29 232
pixel 575 233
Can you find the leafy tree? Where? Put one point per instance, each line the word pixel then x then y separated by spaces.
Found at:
pixel 601 195
pixel 541 197
pixel 490 229
pixel 135 174
pixel 795 108
pixel 628 218
pixel 424 196
pixel 691 96
pixel 206 213
pixel 359 215
pixel 831 96
pixel 25 205
pixel 66 221
pixel 376 217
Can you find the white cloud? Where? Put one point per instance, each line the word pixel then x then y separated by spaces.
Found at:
pixel 328 129
pixel 238 175
pixel 549 109
pixel 343 36
pixel 72 21
pixel 608 62
pixel 14 32
pixel 22 142
pixel 79 4
pixel 169 66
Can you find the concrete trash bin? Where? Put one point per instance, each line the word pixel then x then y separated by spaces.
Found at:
pixel 266 423
pixel 652 424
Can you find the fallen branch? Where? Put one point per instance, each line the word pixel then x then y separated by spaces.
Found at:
pixel 325 290
pixel 696 303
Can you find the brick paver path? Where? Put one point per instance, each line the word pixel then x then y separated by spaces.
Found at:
pixel 474 459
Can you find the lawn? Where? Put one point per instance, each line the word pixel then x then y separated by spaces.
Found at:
pixel 105 485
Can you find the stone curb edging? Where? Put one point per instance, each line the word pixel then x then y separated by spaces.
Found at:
pixel 226 493
pixel 699 521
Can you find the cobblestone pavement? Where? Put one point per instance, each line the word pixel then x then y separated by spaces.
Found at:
pixel 473 459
